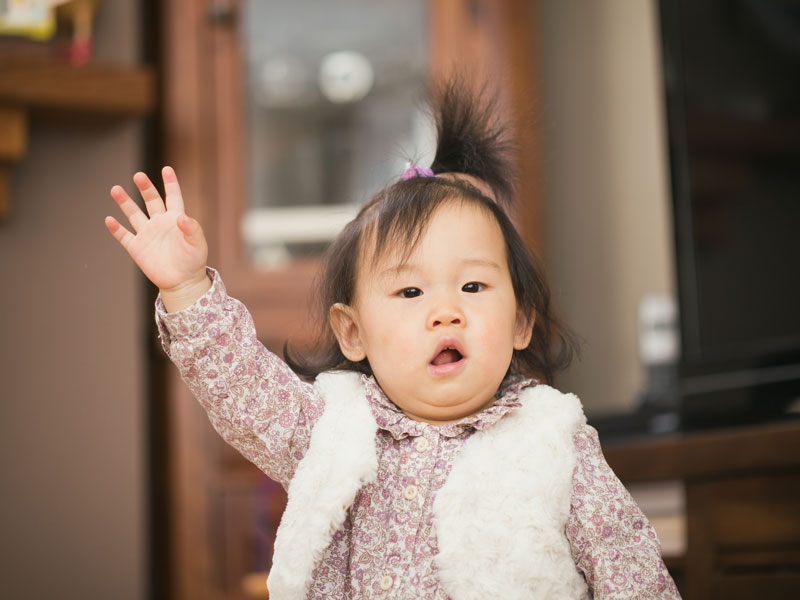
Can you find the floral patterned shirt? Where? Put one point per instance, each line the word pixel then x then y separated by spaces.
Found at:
pixel 387 545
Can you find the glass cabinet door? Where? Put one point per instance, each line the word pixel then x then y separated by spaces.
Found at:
pixel 333 105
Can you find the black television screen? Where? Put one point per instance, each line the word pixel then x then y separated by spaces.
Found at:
pixel 732 84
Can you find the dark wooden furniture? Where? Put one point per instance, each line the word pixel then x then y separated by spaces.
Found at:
pixel 742 505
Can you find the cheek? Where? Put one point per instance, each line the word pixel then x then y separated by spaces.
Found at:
pixel 500 348
pixel 500 329
pixel 386 340
pixel 392 357
pixel 396 343
pixel 393 321
pixel 389 334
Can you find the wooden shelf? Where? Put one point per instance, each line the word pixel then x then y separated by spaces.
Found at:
pixel 51 86
pixel 742 515
pixel 698 455
pixel 82 95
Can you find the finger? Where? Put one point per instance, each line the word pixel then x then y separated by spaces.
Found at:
pixel 129 208
pixel 172 189
pixel 191 229
pixel 152 199
pixel 122 235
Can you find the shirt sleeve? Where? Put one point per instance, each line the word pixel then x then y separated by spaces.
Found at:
pixel 613 544
pixel 253 399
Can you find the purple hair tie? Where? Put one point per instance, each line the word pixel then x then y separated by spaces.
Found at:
pixel 413 170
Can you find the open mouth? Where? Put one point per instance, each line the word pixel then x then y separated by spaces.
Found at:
pixel 447 356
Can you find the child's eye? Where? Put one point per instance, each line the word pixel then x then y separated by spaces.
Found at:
pixel 473 287
pixel 410 292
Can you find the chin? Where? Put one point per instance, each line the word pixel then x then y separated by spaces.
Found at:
pixel 449 413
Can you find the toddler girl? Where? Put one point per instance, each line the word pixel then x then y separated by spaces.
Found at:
pixel 426 460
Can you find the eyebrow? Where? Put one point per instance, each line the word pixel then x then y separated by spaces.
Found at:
pixel 411 267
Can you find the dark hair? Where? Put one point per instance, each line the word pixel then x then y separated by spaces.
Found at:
pixel 468 143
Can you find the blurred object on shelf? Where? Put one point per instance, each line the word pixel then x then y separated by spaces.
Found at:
pixel 33 19
pixel 75 19
pixel 44 28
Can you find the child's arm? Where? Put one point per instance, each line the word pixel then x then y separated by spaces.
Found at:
pixel 613 543
pixel 253 400
pixel 252 397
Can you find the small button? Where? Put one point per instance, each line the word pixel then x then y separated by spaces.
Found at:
pixel 411 492
pixel 423 444
pixel 386 582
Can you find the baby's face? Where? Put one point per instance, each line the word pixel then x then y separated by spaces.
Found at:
pixel 439 329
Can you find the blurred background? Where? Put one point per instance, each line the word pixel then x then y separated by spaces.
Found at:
pixel 280 119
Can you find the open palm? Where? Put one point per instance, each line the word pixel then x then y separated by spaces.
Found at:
pixel 168 246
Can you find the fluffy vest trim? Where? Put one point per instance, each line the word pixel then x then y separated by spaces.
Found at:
pixel 499 518
pixel 340 459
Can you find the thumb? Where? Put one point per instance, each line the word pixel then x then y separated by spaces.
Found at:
pixel 191 229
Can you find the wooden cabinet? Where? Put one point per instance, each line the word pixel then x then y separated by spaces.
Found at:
pixel 212 493
pixel 744 537
pixel 742 506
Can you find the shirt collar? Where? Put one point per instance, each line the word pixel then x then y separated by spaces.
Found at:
pixel 392 419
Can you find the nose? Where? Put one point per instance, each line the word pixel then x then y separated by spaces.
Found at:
pixel 446 314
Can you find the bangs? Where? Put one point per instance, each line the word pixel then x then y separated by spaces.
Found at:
pixel 396 219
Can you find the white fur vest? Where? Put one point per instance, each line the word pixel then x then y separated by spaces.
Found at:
pixel 499 518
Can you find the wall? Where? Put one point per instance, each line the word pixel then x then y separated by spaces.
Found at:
pixel 72 430
pixel 609 238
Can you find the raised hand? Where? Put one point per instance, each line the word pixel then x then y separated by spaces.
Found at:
pixel 168 246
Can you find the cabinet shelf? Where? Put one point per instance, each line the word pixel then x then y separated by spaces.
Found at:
pixel 80 95
pixel 52 86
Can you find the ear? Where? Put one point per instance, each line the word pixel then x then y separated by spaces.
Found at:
pixel 523 330
pixel 344 322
